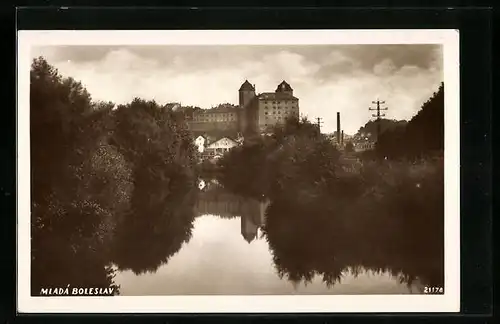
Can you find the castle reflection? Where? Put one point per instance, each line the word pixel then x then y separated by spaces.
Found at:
pixel 292 249
pixel 213 199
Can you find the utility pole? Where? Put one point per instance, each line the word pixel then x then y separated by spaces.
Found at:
pixel 319 122
pixel 378 115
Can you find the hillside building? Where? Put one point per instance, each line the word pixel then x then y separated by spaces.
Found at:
pixel 255 113
pixel 267 109
pixel 220 119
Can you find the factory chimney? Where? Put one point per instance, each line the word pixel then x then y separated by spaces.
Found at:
pixel 342 139
pixel 338 128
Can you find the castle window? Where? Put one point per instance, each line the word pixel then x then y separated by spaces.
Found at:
pixel 274 113
pixel 265 113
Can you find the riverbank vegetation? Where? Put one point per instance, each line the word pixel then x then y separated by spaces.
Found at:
pixel 388 214
pixel 96 169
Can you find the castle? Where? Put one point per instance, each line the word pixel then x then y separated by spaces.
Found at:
pixel 256 113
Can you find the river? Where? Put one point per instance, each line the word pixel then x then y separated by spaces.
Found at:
pixel 228 253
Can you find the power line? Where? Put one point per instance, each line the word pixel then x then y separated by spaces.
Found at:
pixel 378 115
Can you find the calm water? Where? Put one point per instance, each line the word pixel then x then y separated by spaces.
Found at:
pixel 227 253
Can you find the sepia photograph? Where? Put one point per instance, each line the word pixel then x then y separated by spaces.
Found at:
pixel 212 170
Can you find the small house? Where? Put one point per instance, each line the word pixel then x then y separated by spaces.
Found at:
pixel 221 146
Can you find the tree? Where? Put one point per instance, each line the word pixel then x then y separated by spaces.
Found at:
pixel 392 143
pixel 425 131
pixel 74 184
pixel 156 141
pixel 385 124
pixel 422 136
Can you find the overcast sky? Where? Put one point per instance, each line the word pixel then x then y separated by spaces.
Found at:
pixel 325 78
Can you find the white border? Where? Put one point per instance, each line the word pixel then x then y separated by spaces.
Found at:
pixel 449 302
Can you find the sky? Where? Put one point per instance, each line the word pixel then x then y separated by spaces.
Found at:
pixel 326 78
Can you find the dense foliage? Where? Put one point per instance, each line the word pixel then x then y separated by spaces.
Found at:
pixel 77 182
pixel 161 151
pixel 385 125
pixel 157 143
pixel 95 171
pixel 395 226
pixel 423 136
pixel 296 154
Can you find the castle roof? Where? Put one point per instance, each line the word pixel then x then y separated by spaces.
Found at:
pixel 284 86
pixel 276 96
pixel 247 86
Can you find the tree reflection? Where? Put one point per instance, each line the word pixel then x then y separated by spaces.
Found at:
pixel 307 241
pixel 61 257
pixel 158 222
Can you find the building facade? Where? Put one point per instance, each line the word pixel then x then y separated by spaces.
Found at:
pixel 219 119
pixel 267 109
pixel 221 146
pixel 214 147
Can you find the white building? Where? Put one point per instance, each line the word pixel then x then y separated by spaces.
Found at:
pixel 221 146
pixel 200 143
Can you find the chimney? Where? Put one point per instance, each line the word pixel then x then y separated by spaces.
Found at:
pixel 338 127
pixel 342 139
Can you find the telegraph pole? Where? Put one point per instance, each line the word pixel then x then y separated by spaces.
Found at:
pixel 378 115
pixel 319 122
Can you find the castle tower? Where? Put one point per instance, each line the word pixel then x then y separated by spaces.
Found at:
pixel 284 87
pixel 248 229
pixel 246 114
pixel 247 92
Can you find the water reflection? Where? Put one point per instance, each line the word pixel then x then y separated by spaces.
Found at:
pixel 159 221
pixel 213 199
pixel 306 243
pixel 241 245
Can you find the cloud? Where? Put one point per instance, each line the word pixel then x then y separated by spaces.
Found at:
pixel 326 79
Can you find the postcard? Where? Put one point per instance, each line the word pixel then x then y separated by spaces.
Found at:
pixel 238 171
